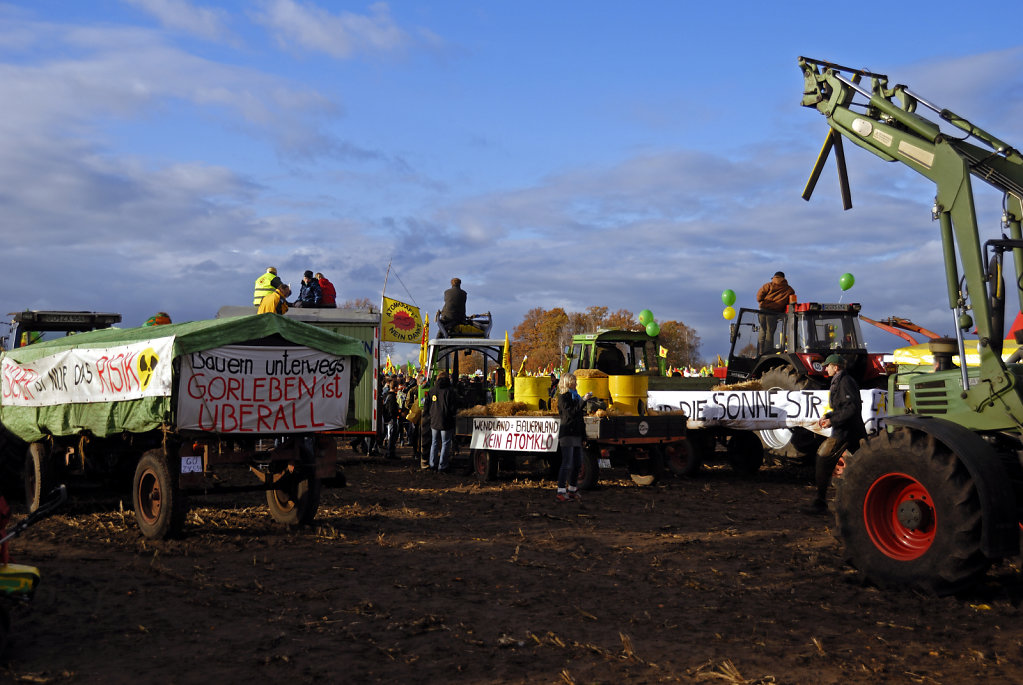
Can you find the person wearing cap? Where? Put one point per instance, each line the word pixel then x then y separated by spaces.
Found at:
pixel 309 295
pixel 276 302
pixel 265 285
pixel 846 423
pixel 772 299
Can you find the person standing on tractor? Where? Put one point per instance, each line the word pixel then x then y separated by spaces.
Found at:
pixel 265 285
pixel 846 423
pixel 454 304
pixel 773 297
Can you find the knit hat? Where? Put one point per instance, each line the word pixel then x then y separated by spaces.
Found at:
pixel 308 274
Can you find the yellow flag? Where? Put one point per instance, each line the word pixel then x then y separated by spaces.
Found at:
pixel 662 351
pixel 400 322
pixel 506 361
pixel 422 343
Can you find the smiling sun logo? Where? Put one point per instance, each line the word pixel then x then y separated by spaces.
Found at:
pixel 147 365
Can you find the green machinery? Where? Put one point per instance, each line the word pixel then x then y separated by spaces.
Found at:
pixel 935 499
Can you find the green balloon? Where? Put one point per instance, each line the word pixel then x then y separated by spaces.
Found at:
pixel 728 297
pixel 846 281
pixel 646 316
pixel 652 329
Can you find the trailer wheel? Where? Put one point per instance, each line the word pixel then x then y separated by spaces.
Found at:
pixel 160 506
pixel 793 443
pixel 648 470
pixel 296 501
pixel 485 464
pixel 908 513
pixel 37 475
pixel 683 458
pixel 589 469
pixel 744 452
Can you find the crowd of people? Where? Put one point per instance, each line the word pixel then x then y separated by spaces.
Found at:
pixel 271 293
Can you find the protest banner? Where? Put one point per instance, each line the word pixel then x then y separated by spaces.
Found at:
pixel 86 375
pixel 267 390
pixel 515 434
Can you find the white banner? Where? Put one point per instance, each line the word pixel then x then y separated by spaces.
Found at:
pixel 268 390
pixel 515 434
pixel 760 409
pixel 108 374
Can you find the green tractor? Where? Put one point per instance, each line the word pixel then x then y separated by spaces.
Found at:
pixel 935 498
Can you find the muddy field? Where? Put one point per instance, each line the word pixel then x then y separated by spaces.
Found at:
pixel 411 576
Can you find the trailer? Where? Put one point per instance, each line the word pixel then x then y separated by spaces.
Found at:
pixel 167 408
pixel 360 324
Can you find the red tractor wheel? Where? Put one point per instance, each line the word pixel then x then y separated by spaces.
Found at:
pixel 909 514
pixel 899 515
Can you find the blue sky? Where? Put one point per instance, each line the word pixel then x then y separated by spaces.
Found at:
pixel 159 154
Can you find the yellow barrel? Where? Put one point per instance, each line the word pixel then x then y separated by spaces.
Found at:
pixel 533 390
pixel 627 392
pixel 598 386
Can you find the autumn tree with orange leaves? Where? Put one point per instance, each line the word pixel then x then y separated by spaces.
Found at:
pixel 544 333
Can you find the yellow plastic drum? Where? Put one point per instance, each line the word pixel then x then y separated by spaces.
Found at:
pixel 598 386
pixel 627 392
pixel 532 390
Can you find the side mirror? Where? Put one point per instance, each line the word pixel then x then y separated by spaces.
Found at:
pixel 732 331
pixel 568 351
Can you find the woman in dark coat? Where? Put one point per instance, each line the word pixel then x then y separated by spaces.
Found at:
pixel 570 437
pixel 441 405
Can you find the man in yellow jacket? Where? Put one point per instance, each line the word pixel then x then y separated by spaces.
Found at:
pixel 275 302
pixel 265 285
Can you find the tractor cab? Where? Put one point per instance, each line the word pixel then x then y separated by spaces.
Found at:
pixel 801 338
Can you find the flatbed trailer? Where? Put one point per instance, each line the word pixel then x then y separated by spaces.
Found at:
pixel 640 444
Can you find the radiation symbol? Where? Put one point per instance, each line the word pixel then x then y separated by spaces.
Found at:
pixel 147 365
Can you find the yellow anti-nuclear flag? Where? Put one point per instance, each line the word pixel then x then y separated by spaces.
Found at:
pixel 662 351
pixel 422 344
pixel 506 361
pixel 400 322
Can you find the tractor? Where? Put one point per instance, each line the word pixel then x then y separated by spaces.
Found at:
pixel 933 499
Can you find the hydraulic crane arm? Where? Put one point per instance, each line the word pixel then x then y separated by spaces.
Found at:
pixel 885 121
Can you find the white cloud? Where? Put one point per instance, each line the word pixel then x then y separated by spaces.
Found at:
pixel 314 29
pixel 180 15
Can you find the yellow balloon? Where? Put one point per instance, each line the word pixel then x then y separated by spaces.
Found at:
pixel 728 313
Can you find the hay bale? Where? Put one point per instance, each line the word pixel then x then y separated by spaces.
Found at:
pixel 745 385
pixel 589 373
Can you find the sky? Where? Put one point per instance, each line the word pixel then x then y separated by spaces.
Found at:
pixel 158 155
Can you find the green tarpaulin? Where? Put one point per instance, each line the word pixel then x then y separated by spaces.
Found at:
pixel 103 419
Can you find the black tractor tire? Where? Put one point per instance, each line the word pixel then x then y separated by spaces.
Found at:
pixel 160 506
pixel 684 458
pixel 485 465
pixel 37 475
pixel 909 514
pixel 295 503
pixel 589 470
pixel 801 444
pixel 745 452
